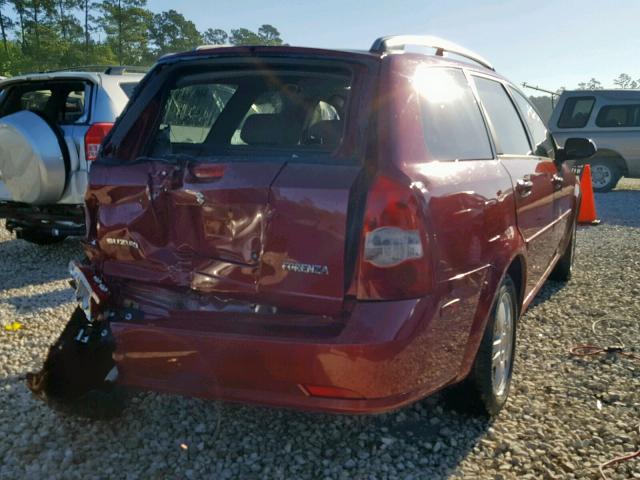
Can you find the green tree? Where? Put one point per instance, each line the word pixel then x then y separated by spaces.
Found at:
pixel 244 36
pixel 625 81
pixel 170 32
pixel 269 35
pixel 215 36
pixel 592 84
pixel 21 11
pixel 88 22
pixel 126 23
pixel 68 23
pixel 50 34
pixel 6 24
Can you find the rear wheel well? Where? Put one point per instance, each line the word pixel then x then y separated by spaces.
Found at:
pixel 516 271
pixel 611 156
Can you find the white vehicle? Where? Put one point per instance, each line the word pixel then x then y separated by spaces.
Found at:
pixel 611 118
pixel 51 128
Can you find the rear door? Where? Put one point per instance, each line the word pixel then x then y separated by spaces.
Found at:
pixel 532 176
pixel 250 183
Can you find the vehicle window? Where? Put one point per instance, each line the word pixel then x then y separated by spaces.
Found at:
pixel 73 107
pixel 35 100
pixel 61 103
pixel 128 88
pixel 226 112
pixel 576 112
pixel 451 118
pixel 190 111
pixel 511 135
pixel 612 116
pixel 536 126
pixel 270 102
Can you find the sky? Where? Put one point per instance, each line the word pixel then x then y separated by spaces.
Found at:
pixel 551 44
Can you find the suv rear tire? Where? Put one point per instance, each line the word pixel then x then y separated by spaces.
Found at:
pixel 486 389
pixel 605 175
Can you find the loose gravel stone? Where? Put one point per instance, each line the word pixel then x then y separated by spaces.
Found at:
pixel 565 415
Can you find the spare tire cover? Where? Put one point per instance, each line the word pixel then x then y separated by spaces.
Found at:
pixel 32 159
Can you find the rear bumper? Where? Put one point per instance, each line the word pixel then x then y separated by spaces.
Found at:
pixel 385 355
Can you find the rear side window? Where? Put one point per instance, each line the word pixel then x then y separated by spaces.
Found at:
pixel 62 103
pixel 451 118
pixel 576 112
pixel 128 88
pixel 253 111
pixel 613 116
pixel 511 135
pixel 35 100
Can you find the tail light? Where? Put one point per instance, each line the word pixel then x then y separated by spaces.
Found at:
pixel 93 139
pixel 393 258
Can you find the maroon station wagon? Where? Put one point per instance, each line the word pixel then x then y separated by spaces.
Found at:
pixel 344 231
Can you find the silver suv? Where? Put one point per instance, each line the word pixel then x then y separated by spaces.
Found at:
pixel 612 119
pixel 51 128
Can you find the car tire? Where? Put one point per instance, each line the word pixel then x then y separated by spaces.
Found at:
pixel 39 238
pixel 563 269
pixel 485 390
pixel 605 175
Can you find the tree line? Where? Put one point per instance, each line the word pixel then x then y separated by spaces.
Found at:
pixel 39 35
pixel 623 81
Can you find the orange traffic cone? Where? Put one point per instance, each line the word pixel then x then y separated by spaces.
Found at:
pixel 587 213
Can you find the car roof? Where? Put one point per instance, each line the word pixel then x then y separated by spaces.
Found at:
pixel 619 93
pixel 94 77
pixel 280 50
pixel 290 51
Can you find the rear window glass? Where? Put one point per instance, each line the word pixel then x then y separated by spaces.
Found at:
pixel 208 114
pixel 62 103
pixel 451 119
pixel 191 111
pixel 576 112
pixel 613 116
pixel 128 88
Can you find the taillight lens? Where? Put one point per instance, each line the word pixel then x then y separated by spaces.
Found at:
pixel 93 139
pixel 390 246
pixel 393 261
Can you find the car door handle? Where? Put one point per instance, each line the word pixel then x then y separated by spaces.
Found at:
pixel 557 181
pixel 524 187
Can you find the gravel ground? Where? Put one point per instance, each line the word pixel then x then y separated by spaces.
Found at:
pixel 564 418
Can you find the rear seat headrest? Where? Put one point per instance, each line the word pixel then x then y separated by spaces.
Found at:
pixel 268 129
pixel 326 132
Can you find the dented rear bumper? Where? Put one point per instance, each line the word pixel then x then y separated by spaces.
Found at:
pixel 377 357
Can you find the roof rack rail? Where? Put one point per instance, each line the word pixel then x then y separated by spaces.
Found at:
pixel 122 69
pixel 106 69
pixel 400 42
pixel 213 45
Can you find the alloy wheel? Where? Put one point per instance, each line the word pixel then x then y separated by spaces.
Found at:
pixel 502 354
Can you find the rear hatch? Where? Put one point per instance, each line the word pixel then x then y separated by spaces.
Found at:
pixel 238 178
